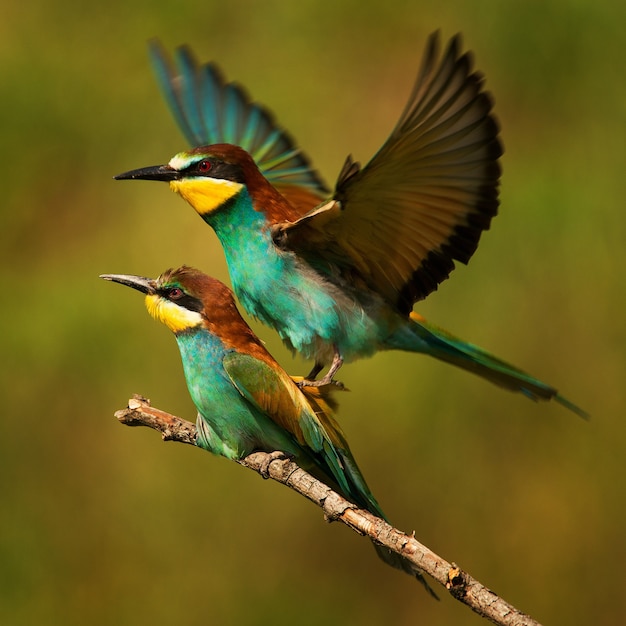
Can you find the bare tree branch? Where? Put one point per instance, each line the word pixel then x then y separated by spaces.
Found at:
pixel 460 584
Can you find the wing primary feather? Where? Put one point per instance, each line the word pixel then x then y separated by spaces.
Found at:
pixel 211 93
pixel 170 84
pixel 427 67
pixel 189 95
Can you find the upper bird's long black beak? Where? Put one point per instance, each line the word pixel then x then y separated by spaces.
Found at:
pixel 145 285
pixel 154 172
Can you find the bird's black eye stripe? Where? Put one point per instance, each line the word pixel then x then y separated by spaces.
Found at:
pixel 216 169
pixel 205 167
pixel 179 297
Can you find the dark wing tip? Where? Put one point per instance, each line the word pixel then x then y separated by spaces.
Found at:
pixel 464 238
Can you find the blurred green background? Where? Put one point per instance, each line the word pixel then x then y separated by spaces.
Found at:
pixel 102 524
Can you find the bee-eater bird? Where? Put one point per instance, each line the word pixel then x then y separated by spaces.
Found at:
pixel 338 276
pixel 246 402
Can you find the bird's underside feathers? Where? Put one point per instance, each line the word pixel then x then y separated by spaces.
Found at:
pixel 424 199
pixel 210 110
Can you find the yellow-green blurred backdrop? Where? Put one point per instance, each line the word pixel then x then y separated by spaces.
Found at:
pixel 102 524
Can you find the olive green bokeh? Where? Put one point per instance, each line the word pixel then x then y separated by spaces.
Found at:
pixel 101 524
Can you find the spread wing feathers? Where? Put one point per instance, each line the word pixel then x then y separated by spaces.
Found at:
pixel 307 418
pixel 424 199
pixel 210 110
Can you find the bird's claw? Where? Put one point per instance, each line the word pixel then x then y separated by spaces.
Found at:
pixel 309 380
pixel 320 383
pixel 270 457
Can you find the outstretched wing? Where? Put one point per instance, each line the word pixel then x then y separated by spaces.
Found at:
pixel 424 199
pixel 210 110
pixel 306 417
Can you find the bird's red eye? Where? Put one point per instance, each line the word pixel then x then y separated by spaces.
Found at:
pixel 205 165
pixel 175 293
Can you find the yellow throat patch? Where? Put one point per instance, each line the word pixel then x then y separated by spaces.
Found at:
pixel 176 318
pixel 205 194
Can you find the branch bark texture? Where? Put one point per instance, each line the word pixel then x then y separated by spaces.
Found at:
pixel 457 582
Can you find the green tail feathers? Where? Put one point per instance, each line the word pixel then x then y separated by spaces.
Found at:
pixel 361 495
pixel 451 349
pixel 355 488
pixel 398 562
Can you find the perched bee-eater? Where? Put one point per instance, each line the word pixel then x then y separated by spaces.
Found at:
pixel 246 402
pixel 338 276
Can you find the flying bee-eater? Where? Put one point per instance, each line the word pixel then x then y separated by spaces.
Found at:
pixel 337 276
pixel 246 402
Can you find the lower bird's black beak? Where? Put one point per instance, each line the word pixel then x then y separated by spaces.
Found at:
pixel 145 285
pixel 154 172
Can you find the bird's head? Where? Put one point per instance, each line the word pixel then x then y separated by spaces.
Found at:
pixel 183 299
pixel 207 177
